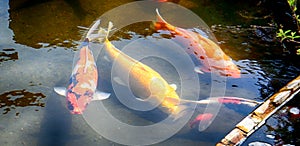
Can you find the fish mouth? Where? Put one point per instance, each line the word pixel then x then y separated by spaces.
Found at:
pixel 76 112
pixel 235 75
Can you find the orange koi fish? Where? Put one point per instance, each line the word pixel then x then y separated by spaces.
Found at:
pixel 201 117
pixel 83 81
pixel 205 50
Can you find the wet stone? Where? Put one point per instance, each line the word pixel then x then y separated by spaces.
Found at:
pixel 293 85
pixel 262 109
pixel 249 123
pixel 235 136
pixel 281 97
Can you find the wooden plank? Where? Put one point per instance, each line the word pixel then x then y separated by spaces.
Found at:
pixel 259 116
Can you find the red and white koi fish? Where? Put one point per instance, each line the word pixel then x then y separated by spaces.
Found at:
pixel 205 50
pixel 83 81
pixel 201 117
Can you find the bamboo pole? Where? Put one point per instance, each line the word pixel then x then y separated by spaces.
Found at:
pixel 259 116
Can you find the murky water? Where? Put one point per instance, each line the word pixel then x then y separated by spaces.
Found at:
pixel 38 41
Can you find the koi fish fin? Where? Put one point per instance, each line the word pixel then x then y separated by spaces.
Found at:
pixel 161 23
pixel 119 81
pixel 159 18
pixel 103 34
pixel 98 95
pixel 174 86
pixel 60 91
pixel 198 69
pixel 89 34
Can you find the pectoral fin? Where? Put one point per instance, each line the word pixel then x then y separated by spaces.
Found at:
pixel 174 86
pixel 100 95
pixel 198 69
pixel 60 90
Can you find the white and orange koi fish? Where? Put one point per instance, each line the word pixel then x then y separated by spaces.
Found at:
pixel 205 50
pixel 148 82
pixel 83 81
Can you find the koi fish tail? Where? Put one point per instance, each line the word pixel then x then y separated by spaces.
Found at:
pixel 90 36
pixel 161 23
pixel 104 33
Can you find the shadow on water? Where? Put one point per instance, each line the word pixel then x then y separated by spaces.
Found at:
pixel 56 124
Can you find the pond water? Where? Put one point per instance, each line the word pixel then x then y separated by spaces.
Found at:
pixel 38 40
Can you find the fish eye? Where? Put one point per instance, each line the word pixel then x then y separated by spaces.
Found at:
pixel 227 75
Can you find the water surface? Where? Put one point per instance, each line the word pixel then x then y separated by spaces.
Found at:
pixel 38 41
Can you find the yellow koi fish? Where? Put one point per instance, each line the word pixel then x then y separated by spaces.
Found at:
pixel 145 79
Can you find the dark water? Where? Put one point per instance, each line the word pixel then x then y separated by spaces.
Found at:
pixel 38 40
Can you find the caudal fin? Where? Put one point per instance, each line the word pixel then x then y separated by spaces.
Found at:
pixel 159 18
pixel 161 23
pixel 104 33
pixel 90 36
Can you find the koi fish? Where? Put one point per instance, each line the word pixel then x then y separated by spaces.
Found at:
pixel 205 50
pixel 148 82
pixel 83 81
pixel 201 117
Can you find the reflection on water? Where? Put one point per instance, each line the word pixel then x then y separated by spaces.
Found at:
pixel 54 21
pixel 20 98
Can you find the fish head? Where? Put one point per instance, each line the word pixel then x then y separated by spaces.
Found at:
pixel 164 92
pixel 171 101
pixel 225 67
pixel 233 71
pixel 76 104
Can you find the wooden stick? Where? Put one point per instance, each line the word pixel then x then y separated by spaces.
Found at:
pixel 259 116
